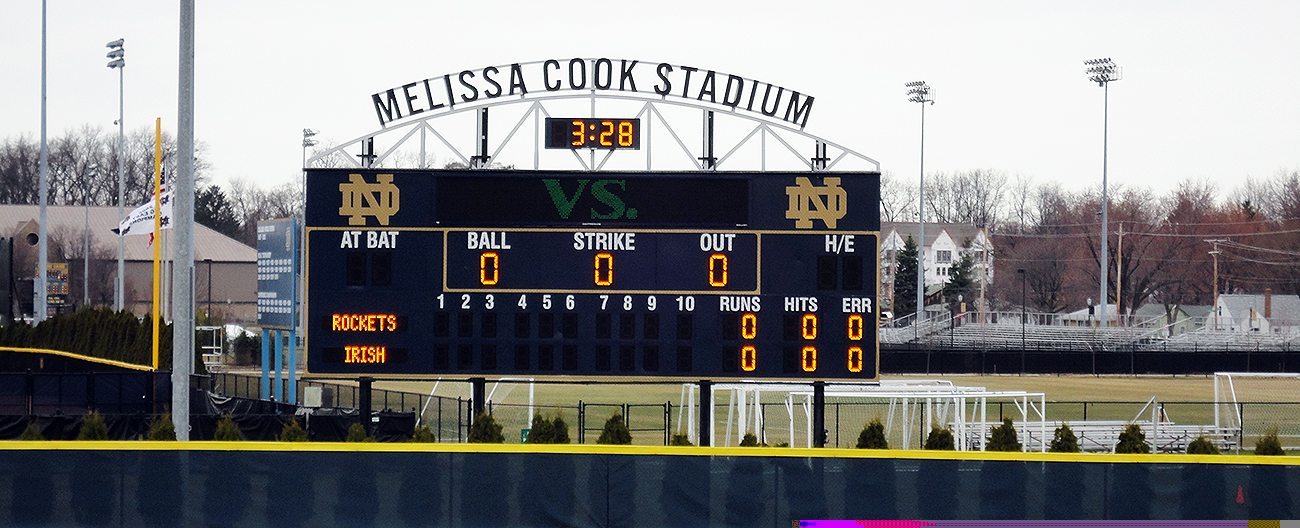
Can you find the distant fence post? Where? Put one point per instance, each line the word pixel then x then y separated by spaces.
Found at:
pixel 582 423
pixel 90 390
pixel 29 390
pixel 460 424
pixel 1241 426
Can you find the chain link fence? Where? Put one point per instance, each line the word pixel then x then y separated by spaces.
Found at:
pixel 780 424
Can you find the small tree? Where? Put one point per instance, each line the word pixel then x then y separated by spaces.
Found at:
pixel 423 434
pixel 1064 440
pixel 357 433
pixel 873 436
pixel 680 440
pixel 32 432
pixel 905 280
pixel 1269 444
pixel 93 427
pixel 161 428
pixel 293 432
pixel 615 431
pixel 542 431
pixel 940 439
pixel 560 431
pixel 749 440
pixel 961 278
pixel 227 431
pixel 1202 446
pixel 1003 437
pixel 485 430
pixel 1132 440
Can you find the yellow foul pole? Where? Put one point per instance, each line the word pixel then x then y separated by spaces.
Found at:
pixel 157 212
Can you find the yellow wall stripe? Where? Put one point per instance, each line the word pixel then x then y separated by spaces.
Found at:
pixel 91 359
pixel 589 449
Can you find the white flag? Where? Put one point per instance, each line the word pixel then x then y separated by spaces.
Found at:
pixel 140 220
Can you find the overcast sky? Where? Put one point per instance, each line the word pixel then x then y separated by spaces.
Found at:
pixel 1210 89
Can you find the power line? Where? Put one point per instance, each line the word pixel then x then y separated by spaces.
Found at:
pixel 1257 261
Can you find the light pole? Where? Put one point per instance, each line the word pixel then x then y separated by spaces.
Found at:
pixel 919 92
pixel 117 52
pixel 1102 72
pixel 41 289
pixel 1024 315
pixel 307 141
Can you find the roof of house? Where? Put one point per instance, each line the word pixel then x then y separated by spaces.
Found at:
pixel 1239 304
pixel 1150 310
pixel 18 220
pixel 961 234
pixel 1082 313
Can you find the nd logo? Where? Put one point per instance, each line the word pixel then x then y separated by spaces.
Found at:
pixel 362 198
pixel 808 202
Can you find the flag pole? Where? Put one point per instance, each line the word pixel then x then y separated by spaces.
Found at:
pixel 156 238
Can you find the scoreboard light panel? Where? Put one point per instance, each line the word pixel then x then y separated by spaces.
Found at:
pixel 580 274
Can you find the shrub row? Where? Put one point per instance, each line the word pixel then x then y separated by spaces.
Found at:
pixel 1003 438
pixel 95 332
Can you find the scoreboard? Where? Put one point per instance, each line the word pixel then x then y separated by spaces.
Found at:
pixel 679 275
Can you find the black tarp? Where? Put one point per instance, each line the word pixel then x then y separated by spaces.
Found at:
pixel 308 488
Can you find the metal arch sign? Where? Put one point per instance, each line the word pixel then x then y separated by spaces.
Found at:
pixel 444 93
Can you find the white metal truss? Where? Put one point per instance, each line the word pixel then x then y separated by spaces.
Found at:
pixel 793 149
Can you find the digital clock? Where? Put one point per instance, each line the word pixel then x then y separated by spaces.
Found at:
pixel 581 274
pixel 592 133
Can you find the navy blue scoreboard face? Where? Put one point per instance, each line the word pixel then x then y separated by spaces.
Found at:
pixel 679 275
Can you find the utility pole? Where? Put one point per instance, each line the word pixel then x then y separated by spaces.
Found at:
pixel 1214 254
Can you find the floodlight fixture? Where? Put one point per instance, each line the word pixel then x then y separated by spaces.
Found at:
pixel 919 92
pixel 1102 71
pixel 116 43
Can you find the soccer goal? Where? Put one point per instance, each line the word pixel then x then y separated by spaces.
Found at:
pixel 1256 402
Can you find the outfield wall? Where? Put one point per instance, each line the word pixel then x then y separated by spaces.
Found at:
pixel 228 484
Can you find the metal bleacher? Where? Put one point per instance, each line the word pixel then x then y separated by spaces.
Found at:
pixel 1207 338
pixel 1012 330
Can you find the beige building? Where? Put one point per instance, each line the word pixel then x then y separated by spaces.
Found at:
pixel 231 264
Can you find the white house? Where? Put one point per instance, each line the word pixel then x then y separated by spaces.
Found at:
pixel 944 245
pixel 1240 312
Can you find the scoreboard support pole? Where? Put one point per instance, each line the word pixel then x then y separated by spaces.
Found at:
pixel 478 396
pixel 706 413
pixel 366 396
pixel 819 414
pixel 266 364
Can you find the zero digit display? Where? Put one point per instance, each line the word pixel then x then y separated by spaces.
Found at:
pixel 580 275
pixel 489 268
pixel 593 133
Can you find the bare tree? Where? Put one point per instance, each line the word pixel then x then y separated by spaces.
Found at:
pixel 897 199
